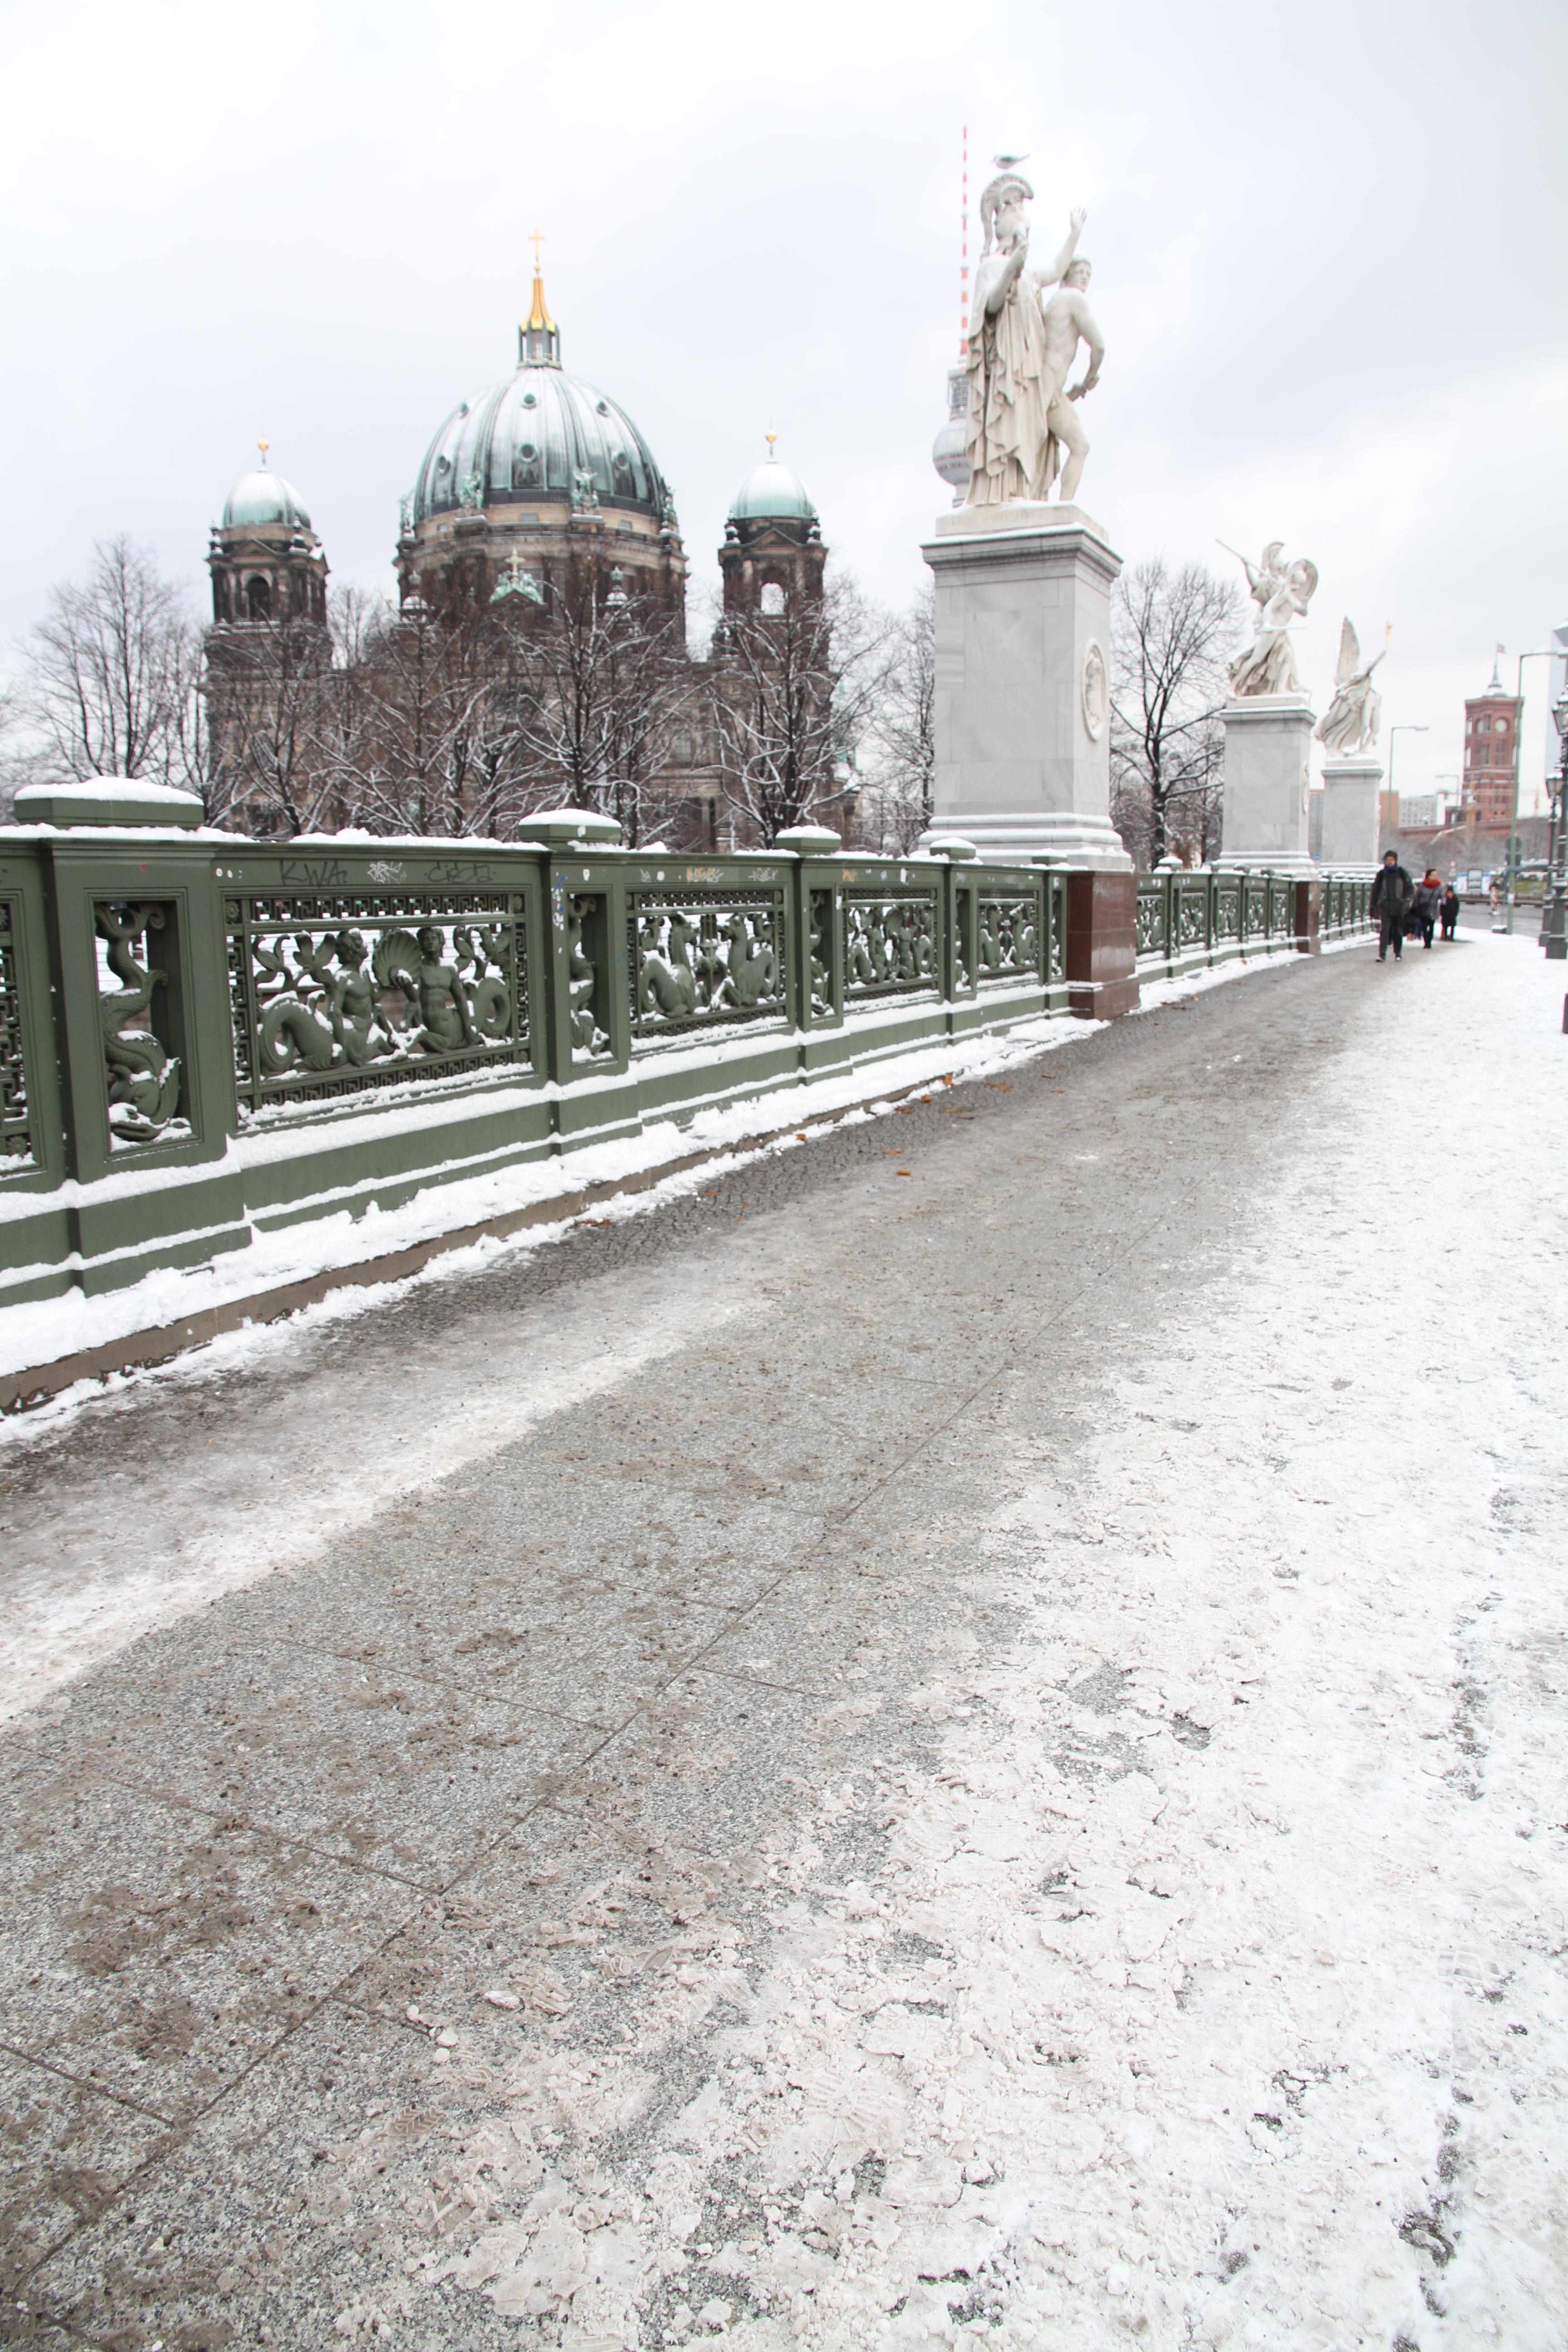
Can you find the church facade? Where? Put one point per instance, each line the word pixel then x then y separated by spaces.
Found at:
pixel 537 511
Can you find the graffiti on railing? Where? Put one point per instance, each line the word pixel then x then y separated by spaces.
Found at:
pixel 1008 938
pixel 332 995
pixel 142 1077
pixel 15 1123
pixel 890 945
pixel 716 956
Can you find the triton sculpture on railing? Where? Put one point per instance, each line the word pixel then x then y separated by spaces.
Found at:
pixel 144 1078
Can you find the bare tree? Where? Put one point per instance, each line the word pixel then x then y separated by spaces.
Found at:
pixel 903 730
pixel 789 700
pixel 113 675
pixel 1171 631
pixel 601 683
pixel 268 691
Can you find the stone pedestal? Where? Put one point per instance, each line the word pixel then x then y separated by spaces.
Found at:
pixel 1102 944
pixel 1023 708
pixel 1350 789
pixel 1023 719
pixel 1267 739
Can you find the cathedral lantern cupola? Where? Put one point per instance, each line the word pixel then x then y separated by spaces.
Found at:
pixel 772 552
pixel 539 337
pixel 267 565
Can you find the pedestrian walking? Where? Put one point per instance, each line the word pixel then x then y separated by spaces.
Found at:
pixel 1450 912
pixel 1426 904
pixel 1390 902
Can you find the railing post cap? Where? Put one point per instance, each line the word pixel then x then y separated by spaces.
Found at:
pixel 809 840
pixel 107 800
pixel 953 845
pixel 564 828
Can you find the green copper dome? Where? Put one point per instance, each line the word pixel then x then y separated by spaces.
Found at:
pixel 541 435
pixel 772 493
pixel 264 500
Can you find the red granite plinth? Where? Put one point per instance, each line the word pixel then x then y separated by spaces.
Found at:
pixel 1101 945
pixel 1308 917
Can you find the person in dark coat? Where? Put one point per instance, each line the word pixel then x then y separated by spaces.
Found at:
pixel 1450 912
pixel 1390 902
pixel 1426 904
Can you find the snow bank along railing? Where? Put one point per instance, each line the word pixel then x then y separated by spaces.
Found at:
pixel 203 1036
pixel 1185 920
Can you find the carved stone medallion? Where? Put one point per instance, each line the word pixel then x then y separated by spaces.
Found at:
pixel 1094 692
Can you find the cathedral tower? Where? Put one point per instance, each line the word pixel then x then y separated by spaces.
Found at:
pixel 773 553
pixel 266 562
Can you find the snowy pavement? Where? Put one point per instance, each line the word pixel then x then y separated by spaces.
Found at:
pixel 987 1767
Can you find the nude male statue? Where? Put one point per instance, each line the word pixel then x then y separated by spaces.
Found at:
pixel 1021 351
pixel 1067 318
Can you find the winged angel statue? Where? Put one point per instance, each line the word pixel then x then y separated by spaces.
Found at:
pixel 1350 723
pixel 1282 593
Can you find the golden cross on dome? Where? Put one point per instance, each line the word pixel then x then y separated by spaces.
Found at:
pixel 264 447
pixel 536 239
pixel 770 438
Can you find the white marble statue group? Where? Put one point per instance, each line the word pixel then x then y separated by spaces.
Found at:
pixel 1283 593
pixel 1022 346
pixel 1024 433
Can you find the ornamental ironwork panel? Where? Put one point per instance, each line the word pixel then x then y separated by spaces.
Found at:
pixel 1227 910
pixel 890 945
pixel 1192 913
pixel 350 992
pixel 1255 907
pixel 964 955
pixel 819 950
pixel 1151 917
pixel 144 1081
pixel 1008 938
pixel 702 957
pixel 1057 926
pixel 15 1118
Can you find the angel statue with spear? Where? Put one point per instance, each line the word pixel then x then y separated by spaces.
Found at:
pixel 1350 723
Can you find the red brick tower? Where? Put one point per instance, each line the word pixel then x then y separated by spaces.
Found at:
pixel 1491 755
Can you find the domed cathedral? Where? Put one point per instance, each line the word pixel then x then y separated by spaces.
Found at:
pixel 542 486
pixel 539 528
pixel 773 553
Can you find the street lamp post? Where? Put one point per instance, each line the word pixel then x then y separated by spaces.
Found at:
pixel 1554 920
pixel 1406 727
pixel 1539 653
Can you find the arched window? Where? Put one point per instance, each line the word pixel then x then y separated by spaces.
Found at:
pixel 773 599
pixel 259 597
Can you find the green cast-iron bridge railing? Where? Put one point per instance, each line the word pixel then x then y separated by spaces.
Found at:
pixel 203 1037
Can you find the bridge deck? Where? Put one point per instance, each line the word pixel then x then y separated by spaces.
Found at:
pixel 949 1737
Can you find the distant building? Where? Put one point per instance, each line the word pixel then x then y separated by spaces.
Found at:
pixel 1419 813
pixel 1491 751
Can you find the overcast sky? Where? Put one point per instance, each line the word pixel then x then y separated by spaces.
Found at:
pixel 1327 247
